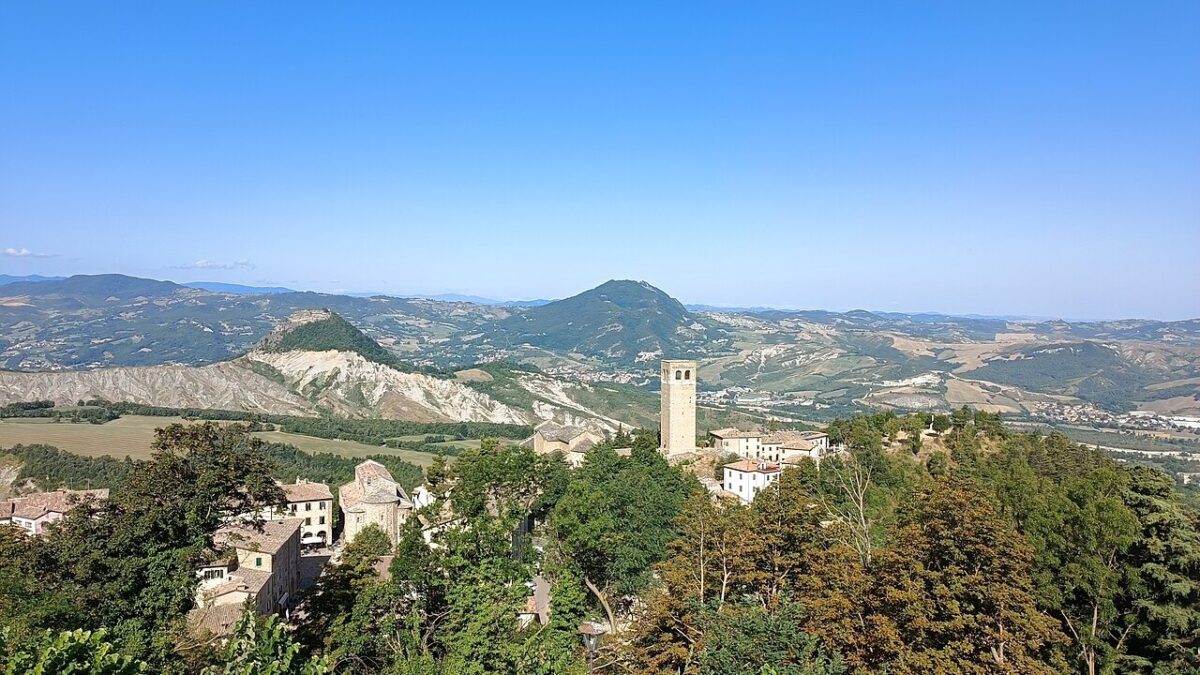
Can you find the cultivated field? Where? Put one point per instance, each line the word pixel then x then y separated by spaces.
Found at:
pixel 131 436
pixel 128 436
pixel 344 448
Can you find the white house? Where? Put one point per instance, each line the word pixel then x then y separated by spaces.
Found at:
pixel 746 478
pixel 310 502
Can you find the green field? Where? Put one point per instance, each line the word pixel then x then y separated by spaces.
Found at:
pixel 131 436
pixel 343 448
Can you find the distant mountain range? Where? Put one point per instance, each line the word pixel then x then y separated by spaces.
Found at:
pixel 10 279
pixel 773 361
pixel 237 289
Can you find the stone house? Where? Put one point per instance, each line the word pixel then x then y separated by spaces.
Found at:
pixel 313 504
pixel 247 564
pixel 572 441
pixel 373 497
pixel 790 447
pixel 746 444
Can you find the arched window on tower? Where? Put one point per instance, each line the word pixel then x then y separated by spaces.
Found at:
pixel 687 374
pixel 679 374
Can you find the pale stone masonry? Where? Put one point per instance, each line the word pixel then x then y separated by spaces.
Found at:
pixel 678 414
pixel 572 441
pixel 254 563
pixel 744 443
pixel 312 503
pixel 373 497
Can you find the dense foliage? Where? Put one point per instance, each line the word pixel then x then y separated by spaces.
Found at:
pixel 48 410
pixel 971 550
pixel 369 431
pixel 127 564
pixel 50 468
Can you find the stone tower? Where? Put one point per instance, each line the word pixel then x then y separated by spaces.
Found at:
pixel 678 417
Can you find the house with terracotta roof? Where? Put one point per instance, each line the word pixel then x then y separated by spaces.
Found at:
pixel 373 497
pixel 313 504
pixel 572 441
pixel 33 512
pixel 745 478
pixel 790 447
pixel 251 561
pixel 744 443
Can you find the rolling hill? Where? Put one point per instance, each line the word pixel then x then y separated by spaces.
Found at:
pixel 593 355
pixel 619 321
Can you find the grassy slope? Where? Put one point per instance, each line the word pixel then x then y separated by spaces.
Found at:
pixel 132 434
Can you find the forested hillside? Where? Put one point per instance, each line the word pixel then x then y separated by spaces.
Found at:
pixel 618 321
pixel 980 551
pixel 332 332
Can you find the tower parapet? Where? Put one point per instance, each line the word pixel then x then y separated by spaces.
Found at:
pixel 678 414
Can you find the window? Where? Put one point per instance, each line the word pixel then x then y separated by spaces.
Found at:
pixel 679 375
pixel 322 508
pixel 308 521
pixel 322 521
pixel 687 374
pixel 292 507
pixel 308 506
pixel 214 574
pixel 258 562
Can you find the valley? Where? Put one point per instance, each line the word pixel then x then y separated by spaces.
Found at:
pixel 589 359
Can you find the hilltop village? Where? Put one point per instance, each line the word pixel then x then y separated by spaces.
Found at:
pixel 266 557
pixel 576 549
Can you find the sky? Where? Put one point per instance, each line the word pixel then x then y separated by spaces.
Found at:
pixel 964 157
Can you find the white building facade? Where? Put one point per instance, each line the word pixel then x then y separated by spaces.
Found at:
pixel 746 478
pixel 746 444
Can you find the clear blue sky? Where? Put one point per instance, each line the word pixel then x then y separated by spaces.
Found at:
pixel 1018 158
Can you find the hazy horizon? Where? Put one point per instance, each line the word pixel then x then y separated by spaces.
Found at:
pixel 1024 160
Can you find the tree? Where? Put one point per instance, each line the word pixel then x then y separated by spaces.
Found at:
pixel 437 476
pixel 332 600
pixel 617 516
pixel 719 465
pixel 753 640
pixel 77 652
pixel 262 646
pixel 941 424
pixel 1161 585
pixel 956 587
pixel 938 464
pixel 1068 502
pixel 128 564
pixel 850 505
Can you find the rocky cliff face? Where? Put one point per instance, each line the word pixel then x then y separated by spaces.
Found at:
pixel 230 385
pixel 290 383
pixel 348 384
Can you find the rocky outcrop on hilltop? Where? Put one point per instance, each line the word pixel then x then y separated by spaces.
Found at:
pixel 355 377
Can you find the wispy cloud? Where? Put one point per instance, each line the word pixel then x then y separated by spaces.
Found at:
pixel 204 264
pixel 25 253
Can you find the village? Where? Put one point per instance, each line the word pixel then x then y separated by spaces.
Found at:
pixel 266 558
